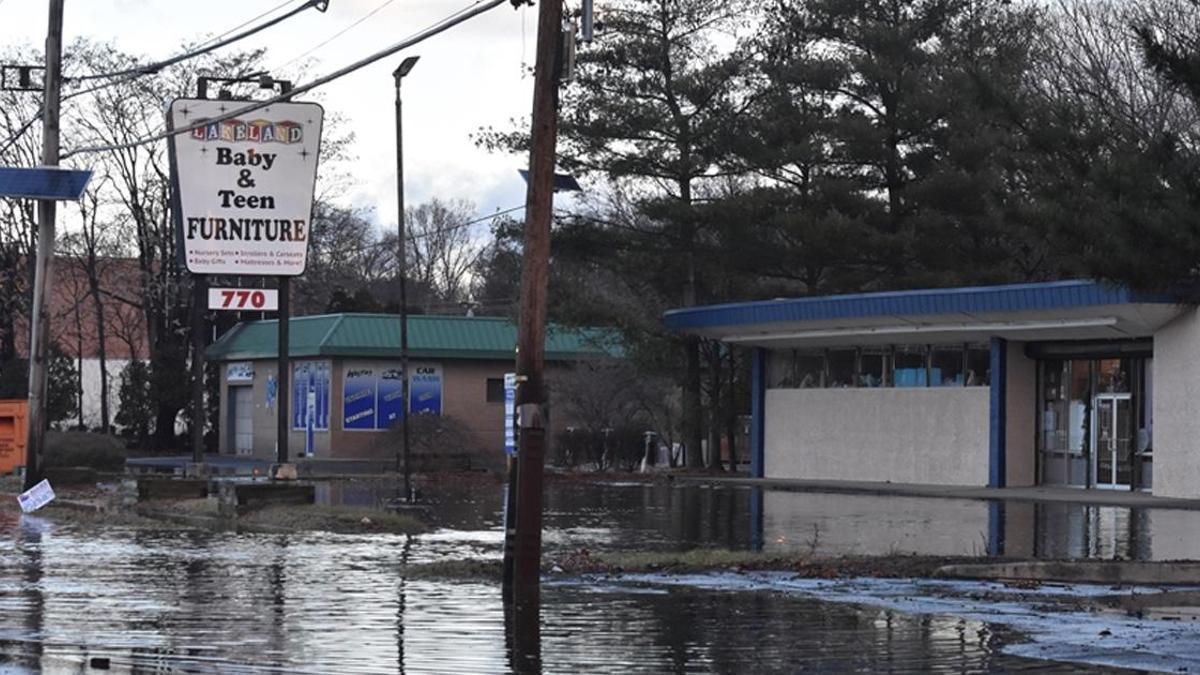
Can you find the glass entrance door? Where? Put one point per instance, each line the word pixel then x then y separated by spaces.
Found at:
pixel 1112 441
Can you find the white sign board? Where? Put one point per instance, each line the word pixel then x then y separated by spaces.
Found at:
pixel 36 497
pixel 239 371
pixel 245 186
pixel 243 299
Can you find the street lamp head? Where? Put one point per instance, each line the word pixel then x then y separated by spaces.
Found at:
pixel 405 66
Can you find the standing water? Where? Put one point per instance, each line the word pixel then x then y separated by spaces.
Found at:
pixel 75 597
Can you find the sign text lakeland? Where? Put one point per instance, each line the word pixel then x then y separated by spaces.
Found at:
pixel 246 186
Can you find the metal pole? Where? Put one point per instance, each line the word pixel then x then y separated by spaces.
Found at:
pixel 39 341
pixel 402 265
pixel 283 395
pixel 199 300
pixel 531 339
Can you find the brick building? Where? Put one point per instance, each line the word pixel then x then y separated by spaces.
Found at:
pixel 345 377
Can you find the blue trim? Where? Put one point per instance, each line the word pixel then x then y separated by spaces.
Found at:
pixel 979 299
pixel 758 396
pixel 998 417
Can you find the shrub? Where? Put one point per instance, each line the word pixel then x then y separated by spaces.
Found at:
pixel 98 451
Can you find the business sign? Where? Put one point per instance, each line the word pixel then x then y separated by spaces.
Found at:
pixel 36 497
pixel 245 185
pixel 510 414
pixel 310 395
pixel 243 299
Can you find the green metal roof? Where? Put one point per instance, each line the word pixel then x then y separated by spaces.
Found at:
pixel 429 336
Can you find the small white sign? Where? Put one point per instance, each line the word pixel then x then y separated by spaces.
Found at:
pixel 240 371
pixel 36 497
pixel 245 185
pixel 243 299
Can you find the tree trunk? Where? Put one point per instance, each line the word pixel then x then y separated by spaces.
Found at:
pixel 101 348
pixel 715 418
pixel 731 416
pixel 692 422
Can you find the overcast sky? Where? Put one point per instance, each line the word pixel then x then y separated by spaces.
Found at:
pixel 468 77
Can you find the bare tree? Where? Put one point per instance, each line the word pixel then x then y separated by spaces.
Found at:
pixel 89 248
pixel 443 252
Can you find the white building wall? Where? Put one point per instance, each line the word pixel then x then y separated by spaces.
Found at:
pixel 933 436
pixel 1176 404
pixel 90 374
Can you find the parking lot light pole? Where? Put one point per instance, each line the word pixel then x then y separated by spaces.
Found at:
pixel 402 265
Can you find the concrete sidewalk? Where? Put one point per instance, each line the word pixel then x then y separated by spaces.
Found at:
pixel 1021 494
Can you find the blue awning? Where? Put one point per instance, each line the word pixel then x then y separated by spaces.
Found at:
pixel 1074 309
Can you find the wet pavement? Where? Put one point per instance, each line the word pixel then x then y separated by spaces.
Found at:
pixel 195 601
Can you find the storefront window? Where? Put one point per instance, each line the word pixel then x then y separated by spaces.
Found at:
pixel 947 366
pixel 910 367
pixel 841 371
pixel 792 369
pixel 979 366
pixel 873 369
pixel 1113 376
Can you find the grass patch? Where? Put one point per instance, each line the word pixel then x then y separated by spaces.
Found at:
pixel 114 518
pixel 297 517
pixel 715 559
pixel 460 570
pixel 341 519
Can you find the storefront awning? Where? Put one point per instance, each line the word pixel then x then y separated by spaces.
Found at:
pixel 1066 310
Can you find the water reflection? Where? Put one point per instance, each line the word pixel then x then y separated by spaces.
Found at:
pixel 662 516
pixel 204 601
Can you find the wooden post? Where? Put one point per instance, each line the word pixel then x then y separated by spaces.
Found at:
pixel 531 337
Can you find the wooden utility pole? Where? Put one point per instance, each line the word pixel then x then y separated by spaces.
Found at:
pixel 39 341
pixel 531 338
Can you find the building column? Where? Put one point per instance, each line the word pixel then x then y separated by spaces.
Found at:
pixel 998 419
pixel 758 400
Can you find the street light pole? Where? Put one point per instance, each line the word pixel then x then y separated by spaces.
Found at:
pixel 402 264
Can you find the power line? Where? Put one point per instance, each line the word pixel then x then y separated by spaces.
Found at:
pixel 247 22
pixel 126 75
pixel 20 132
pixel 445 24
pixel 430 233
pixel 335 36
pixel 123 76
pixel 151 68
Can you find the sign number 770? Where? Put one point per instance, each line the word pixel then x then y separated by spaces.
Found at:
pixel 243 299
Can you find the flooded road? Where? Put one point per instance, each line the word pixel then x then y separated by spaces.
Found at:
pixel 136 600
pixel 663 516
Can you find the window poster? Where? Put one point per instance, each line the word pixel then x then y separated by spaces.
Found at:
pixel 425 389
pixel 391 410
pixel 310 383
pixel 358 397
pixel 372 396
